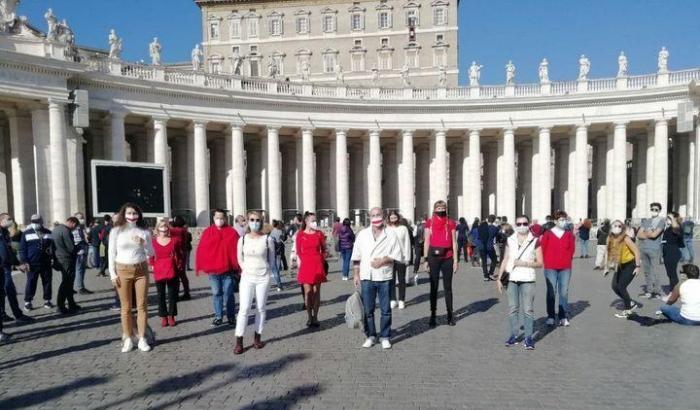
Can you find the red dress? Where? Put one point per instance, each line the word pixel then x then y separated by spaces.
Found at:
pixel 310 248
pixel 165 260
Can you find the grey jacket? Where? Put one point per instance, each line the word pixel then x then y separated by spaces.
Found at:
pixel 65 246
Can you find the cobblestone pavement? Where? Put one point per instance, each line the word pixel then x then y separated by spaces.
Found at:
pixel 598 362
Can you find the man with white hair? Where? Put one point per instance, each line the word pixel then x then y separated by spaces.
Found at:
pixel 376 248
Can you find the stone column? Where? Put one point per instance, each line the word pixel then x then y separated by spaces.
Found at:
pixel 640 154
pixel 342 176
pixel 238 171
pixel 619 209
pixel 610 175
pixel 525 179
pixel 696 189
pixel 440 179
pixel 684 174
pixel 201 179
pixel 692 177
pixel 580 186
pixel 117 139
pixel 601 153
pixel 407 177
pixel 274 175
pixel 571 178
pixel 661 164
pixel 374 170
pixel 649 161
pixel 161 153
pixel 471 175
pixel 22 164
pixel 542 185
pixel 57 149
pixel 75 168
pixel 308 177
pixel 506 176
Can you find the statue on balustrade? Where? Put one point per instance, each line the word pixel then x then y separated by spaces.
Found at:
pixel 663 60
pixel 154 50
pixel 115 45
pixel 510 73
pixel 305 70
pixel 443 76
pixel 622 65
pixel 584 67
pixel 65 33
pixel 8 16
pixel 272 69
pixel 375 75
pixel 197 57
pixel 52 22
pixel 474 74
pixel 236 61
pixel 339 74
pixel 404 76
pixel 544 71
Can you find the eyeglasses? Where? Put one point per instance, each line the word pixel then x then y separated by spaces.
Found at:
pixel 522 224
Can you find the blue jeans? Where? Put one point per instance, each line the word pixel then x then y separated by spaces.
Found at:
pixel 688 251
pixel 94 256
pixel 370 290
pixel 222 290
pixel 558 282
pixel 346 254
pixel 674 313
pixel 276 273
pixel 80 262
pixel 583 243
pixel 521 294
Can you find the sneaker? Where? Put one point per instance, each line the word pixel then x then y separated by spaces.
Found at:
pixel 279 288
pixel 128 345
pixel 564 322
pixel 115 307
pixel 512 340
pixel 529 343
pixel 633 306
pixel 143 345
pixel 623 314
pixel 655 296
pixel 84 291
pixel 487 279
pixel 216 322
pixel 4 337
pixel 48 305
pixel 550 321
pixel 346 278
pixel 647 295
pixel 393 304
pixel 369 342
pixel 415 279
pixel 386 344
pixel 402 304
pixel 7 318
pixel 28 306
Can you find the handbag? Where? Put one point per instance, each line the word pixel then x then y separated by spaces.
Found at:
pixel 505 277
pixel 438 252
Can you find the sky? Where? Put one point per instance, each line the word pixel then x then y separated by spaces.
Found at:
pixel 491 32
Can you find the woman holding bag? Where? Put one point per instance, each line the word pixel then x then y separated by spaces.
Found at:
pixel 164 263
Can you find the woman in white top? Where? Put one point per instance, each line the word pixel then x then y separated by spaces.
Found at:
pixel 689 294
pixel 404 237
pixel 256 254
pixel 130 247
pixel 521 259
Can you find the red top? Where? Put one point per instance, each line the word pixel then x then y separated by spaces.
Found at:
pixel 441 233
pixel 558 252
pixel 310 248
pixel 181 235
pixel 165 259
pixel 216 252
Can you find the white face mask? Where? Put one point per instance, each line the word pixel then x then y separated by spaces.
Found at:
pixel 313 225
pixel 254 226
pixel 654 214
pixel 616 230
pixel 219 222
pixel 562 224
pixel 522 229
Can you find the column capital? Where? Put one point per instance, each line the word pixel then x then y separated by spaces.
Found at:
pixel 475 130
pixel 620 124
pixel 439 131
pixel 408 131
pixel 307 130
pixel 273 128
pixel 117 113
pixel 234 125
pixel 158 121
pixel 658 121
pixel 56 102
pixel 374 131
pixel 508 130
pixel 581 125
pixel 199 123
pixel 544 128
pixel 343 131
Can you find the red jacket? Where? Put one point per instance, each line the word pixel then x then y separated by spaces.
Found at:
pixel 180 234
pixel 217 251
pixel 558 252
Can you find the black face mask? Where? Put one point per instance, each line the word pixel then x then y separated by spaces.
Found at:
pixel 441 214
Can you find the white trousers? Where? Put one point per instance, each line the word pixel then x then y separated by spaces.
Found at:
pixel 256 286
pixel 601 253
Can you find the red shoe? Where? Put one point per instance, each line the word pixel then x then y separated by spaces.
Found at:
pixel 171 320
pixel 164 322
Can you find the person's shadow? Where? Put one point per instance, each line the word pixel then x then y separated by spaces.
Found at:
pixel 647 321
pixel 541 327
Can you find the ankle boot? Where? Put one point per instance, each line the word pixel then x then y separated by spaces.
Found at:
pixel 164 322
pixel 238 349
pixel 450 319
pixel 433 321
pixel 257 343
pixel 171 321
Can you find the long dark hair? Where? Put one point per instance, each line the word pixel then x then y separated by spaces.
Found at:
pixel 122 216
pixel 303 220
pixel 398 218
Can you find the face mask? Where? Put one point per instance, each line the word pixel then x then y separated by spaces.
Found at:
pixel 163 231
pixel 131 220
pixel 441 214
pixel 254 226
pixel 313 225
pixel 654 213
pixel 7 223
pixel 522 229
pixel 36 226
pixel 219 222
pixel 563 224
pixel 616 230
pixel 377 220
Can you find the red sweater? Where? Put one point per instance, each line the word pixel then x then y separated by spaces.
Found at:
pixel 217 251
pixel 558 252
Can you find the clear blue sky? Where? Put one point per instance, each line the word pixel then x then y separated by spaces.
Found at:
pixel 491 32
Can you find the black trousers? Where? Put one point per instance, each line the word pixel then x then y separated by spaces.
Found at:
pixel 400 272
pixel 182 278
pixel 621 280
pixel 2 299
pixel 672 255
pixel 65 289
pixel 437 266
pixel 462 248
pixel 490 254
pixel 417 255
pixel 167 304
pixel 36 272
pixel 104 263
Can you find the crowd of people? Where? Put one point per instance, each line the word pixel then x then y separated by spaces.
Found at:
pixel 250 254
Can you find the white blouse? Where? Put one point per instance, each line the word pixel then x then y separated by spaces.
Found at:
pixel 255 255
pixel 404 241
pixel 128 245
pixel 529 254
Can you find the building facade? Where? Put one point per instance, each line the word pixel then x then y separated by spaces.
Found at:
pixel 598 148
pixel 386 42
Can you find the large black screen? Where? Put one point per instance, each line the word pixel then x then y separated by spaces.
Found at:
pixel 116 185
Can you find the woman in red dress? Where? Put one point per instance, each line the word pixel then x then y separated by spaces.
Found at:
pixel 164 263
pixel 311 252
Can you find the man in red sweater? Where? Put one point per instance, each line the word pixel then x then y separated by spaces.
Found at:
pixel 558 247
pixel 217 257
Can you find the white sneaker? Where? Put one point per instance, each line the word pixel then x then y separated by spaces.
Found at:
pixel 393 304
pixel 665 298
pixel 623 315
pixel 128 345
pixel 143 345
pixel 402 304
pixel 344 278
pixel 550 322
pixel 564 322
pixel 415 280
pixel 369 342
pixel 386 344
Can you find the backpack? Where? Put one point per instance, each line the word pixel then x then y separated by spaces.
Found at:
pixel 354 311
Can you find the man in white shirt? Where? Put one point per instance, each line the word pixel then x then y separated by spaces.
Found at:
pixel 373 256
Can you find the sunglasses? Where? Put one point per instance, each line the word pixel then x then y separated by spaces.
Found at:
pixel 253 220
pixel 522 224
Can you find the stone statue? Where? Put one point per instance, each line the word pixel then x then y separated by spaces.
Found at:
pixel 52 22
pixel 663 60
pixel 622 65
pixel 544 71
pixel 404 76
pixel 8 14
pixel 584 67
pixel 115 45
pixel 197 57
pixel 339 74
pixel 443 76
pixel 305 70
pixel 375 75
pixel 474 74
pixel 154 50
pixel 272 69
pixel 236 63
pixel 510 73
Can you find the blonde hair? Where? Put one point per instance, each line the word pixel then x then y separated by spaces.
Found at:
pixel 616 242
pixel 439 203
pixel 164 223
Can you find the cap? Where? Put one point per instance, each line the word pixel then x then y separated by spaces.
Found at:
pixel 36 218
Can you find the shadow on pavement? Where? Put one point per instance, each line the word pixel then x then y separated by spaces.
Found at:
pixel 289 400
pixel 326 324
pixel 541 328
pixel 54 353
pixel 37 397
pixel 647 321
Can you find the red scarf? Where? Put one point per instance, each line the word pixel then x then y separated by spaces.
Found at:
pixel 217 251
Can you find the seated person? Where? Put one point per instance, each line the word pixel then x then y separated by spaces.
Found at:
pixel 689 294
